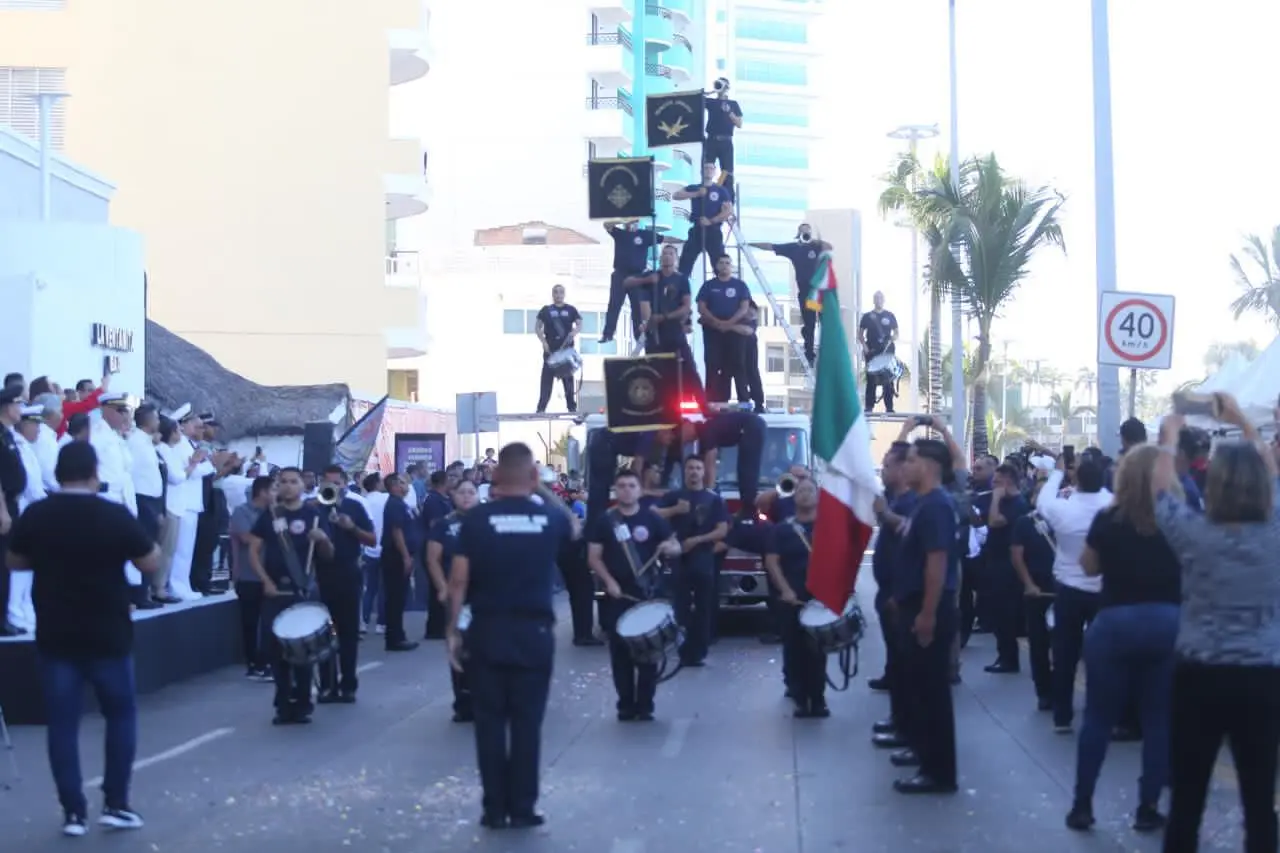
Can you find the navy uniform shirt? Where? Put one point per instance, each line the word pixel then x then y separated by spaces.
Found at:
pixel 444 532
pixel 885 557
pixel 706 511
pixel 932 527
pixel 13 474
pixel 631 248
pixel 650 501
pixel 672 290
pixel 557 321
pixel 435 506
pixel 724 298
pixel 803 257
pixel 725 429
pixel 791 541
pixel 1033 534
pixel 999 539
pixel 398 515
pixel 346 547
pixel 647 530
pixel 708 205
pixel 751 534
pixel 879 326
pixel 718 112
pixel 297 525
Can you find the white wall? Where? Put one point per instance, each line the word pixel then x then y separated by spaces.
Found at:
pixel 56 281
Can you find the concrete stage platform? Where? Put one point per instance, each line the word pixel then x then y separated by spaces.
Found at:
pixel 172 644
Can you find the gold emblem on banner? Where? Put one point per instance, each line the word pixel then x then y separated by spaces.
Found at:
pixel 675 129
pixel 619 196
pixel 641 388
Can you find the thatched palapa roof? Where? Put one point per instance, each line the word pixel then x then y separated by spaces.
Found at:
pixel 180 372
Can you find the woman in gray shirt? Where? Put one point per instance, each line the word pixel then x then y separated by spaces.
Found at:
pixel 1227 677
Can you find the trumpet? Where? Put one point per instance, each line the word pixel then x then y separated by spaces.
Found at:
pixel 329 495
pixel 786 486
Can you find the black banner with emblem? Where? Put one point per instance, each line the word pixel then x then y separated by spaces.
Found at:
pixel 642 394
pixel 673 119
pixel 620 188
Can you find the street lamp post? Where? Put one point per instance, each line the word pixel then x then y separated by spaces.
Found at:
pixel 913 134
pixel 958 408
pixel 45 102
pixel 1104 217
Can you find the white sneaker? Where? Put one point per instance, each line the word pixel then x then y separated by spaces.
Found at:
pixel 381 629
pixel 74 826
pixel 120 819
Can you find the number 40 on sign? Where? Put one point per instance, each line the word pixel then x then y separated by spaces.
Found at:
pixel 1135 330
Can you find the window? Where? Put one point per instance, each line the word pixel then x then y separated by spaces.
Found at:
pixel 590 346
pixel 780 113
pixel 775 359
pixel 721 16
pixel 764 71
pixel 19 110
pixel 796 365
pixel 720 64
pixel 513 322
pixel 775 404
pixel 762 29
pixel 403 385
pixel 776 156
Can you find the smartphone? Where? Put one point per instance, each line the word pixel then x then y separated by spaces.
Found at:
pixel 924 420
pixel 1068 456
pixel 1189 403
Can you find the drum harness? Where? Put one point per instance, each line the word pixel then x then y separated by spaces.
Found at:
pixel 559 329
pixel 847 657
pixel 300 576
pixel 888 377
pixel 640 571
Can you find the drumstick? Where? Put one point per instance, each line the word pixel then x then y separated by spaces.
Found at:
pixel 311 549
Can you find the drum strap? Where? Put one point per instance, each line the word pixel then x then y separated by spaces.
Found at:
pixel 558 328
pixel 629 549
pixel 291 563
pixel 804 537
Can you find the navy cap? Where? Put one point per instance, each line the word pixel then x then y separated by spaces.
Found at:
pixel 10 395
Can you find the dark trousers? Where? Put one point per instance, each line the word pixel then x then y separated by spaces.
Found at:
pixel 341 595
pixel 1128 653
pixel 202 556
pixel 930 721
pixel 690 383
pixel 750 453
pixel 602 467
pixel 437 617
pixel 578 583
pixel 617 295
pixel 893 673
pixel 150 515
pixel 753 389
pixel 879 388
pixel 545 382
pixel 719 149
pixel 1073 610
pixel 702 238
pixel 4 582
pixel 801 657
pixel 395 592
pixel 249 599
pixel 461 693
pixel 696 605
pixel 635 683
pixel 293 683
pixel 63 681
pixel 509 703
pixel 1038 643
pixel 1006 605
pixel 975 601
pixel 1242 705
pixel 808 320
pixel 722 353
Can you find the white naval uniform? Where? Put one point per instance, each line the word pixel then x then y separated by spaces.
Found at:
pixel 21 612
pixel 47 448
pixel 188 504
pixel 115 463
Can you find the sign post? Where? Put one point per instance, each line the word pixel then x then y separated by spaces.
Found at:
pixel 1135 330
pixel 477 413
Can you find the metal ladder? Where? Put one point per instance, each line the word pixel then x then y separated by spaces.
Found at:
pixel 797 346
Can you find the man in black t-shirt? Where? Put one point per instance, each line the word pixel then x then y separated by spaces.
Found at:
pixel 281 547
pixel 631 245
pixel 710 206
pixel 557 329
pixel 620 547
pixel 666 310
pixel 877 332
pixel 340 586
pixel 723 117
pixel 76 545
pixel 403 536
pixel 803 253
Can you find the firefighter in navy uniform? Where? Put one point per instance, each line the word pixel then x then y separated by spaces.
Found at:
pixel 710 206
pixel 13 482
pixel 666 309
pixel 631 246
pixel 505 570
pixel 442 545
pixel 803 253
pixel 745 431
pixel 621 548
pixel 787 561
pixel 604 446
pixel 723 117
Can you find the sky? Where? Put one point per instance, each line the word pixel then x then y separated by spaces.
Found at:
pixel 1191 110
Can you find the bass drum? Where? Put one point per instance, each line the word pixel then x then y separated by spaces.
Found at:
pixel 564 364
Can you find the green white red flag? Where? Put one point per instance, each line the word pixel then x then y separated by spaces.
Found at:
pixel 842 444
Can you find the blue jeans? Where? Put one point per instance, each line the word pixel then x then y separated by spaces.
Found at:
pixel 112 681
pixel 1128 653
pixel 372 568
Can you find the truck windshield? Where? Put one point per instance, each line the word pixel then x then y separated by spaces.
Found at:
pixel 783 447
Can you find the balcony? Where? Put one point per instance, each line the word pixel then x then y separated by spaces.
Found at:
pixel 404 321
pixel 403 271
pixel 657 69
pixel 681 12
pixel 407 194
pixel 680 175
pixel 679 58
pixel 612 12
pixel 658 28
pixel 410 55
pixel 663 220
pixel 610 123
pixel 609 59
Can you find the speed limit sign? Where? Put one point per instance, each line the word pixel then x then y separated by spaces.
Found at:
pixel 1135 330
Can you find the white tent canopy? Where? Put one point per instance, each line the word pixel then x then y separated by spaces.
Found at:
pixel 1256 387
pixel 1231 370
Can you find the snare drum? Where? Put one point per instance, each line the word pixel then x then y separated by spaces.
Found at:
pixel 305 633
pixel 884 367
pixel 649 631
pixel 564 364
pixel 832 633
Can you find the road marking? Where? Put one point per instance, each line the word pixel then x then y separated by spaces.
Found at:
pixel 365 667
pixel 627 845
pixel 179 750
pixel 675 738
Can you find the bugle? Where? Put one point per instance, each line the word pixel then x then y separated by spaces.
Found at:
pixel 786 486
pixel 329 495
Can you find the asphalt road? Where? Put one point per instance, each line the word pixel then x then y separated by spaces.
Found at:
pixel 724 769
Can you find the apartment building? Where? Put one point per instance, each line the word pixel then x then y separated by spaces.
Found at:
pixel 250 142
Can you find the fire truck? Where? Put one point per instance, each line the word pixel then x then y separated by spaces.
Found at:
pixel 743 580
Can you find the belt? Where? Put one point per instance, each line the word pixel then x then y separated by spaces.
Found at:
pixel 724 138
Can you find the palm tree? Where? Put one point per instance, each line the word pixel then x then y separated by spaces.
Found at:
pixel 1065 408
pixel 1218 354
pixel 1088 380
pixel 1261 296
pixel 990 229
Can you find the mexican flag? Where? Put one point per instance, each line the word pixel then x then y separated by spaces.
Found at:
pixel 842 445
